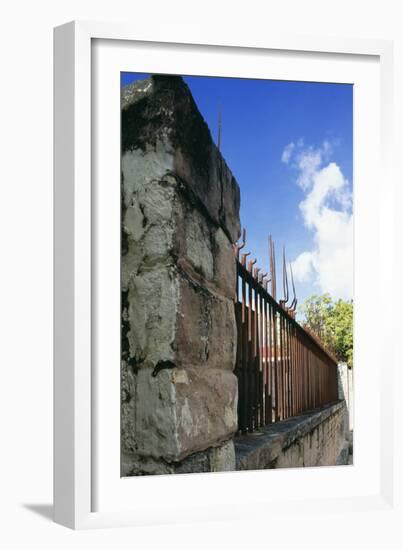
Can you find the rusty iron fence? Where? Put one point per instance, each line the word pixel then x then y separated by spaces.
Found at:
pixel 282 368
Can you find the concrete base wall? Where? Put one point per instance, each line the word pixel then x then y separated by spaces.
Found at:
pixel 318 438
pixel 346 390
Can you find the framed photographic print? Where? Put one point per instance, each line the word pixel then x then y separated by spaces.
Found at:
pixel 217 209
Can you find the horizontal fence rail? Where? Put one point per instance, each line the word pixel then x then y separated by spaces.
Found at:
pixel 282 369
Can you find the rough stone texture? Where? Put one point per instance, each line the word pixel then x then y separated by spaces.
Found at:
pixel 312 439
pixel 215 459
pixel 181 411
pixel 223 458
pixel 160 117
pixel 180 216
pixel 344 455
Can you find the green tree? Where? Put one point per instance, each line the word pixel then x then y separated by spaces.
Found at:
pixel 332 321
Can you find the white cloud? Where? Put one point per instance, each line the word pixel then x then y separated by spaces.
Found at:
pixel 308 163
pixel 304 266
pixel 287 152
pixel 326 211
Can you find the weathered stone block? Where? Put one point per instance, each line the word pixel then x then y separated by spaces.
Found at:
pixel 160 227
pixel 153 299
pixel 172 317
pixel 181 411
pixel 193 241
pixel 224 264
pixel 164 132
pixel 207 402
pixel 206 328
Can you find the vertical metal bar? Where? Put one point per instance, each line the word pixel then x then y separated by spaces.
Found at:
pixel 296 363
pixel 285 381
pixel 287 367
pixel 280 402
pixel 292 384
pixel 305 378
pixel 308 393
pixel 266 365
pixel 255 360
pixel 289 379
pixel 297 371
pixel 246 356
pixel 292 361
pixel 259 357
pixel 282 366
pixel 271 361
pixel 261 352
pixel 248 386
pixel 301 374
pixel 276 366
pixel 238 363
pixel 245 381
pixel 253 357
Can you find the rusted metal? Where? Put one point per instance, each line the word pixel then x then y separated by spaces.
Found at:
pixel 251 263
pixel 282 368
pixel 238 246
pixel 243 258
pixel 285 282
pixel 293 307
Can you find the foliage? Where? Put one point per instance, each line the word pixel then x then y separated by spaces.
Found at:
pixel 332 321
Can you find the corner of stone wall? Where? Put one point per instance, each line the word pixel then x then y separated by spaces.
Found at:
pixel 180 216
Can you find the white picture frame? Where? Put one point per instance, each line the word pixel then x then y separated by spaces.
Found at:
pixel 81 426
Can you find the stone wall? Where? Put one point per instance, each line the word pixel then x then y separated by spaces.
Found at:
pixel 180 216
pixel 345 382
pixel 317 438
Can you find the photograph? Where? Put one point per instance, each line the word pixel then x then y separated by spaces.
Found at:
pixel 202 259
pixel 237 265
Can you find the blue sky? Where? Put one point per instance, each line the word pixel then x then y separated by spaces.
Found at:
pixel 289 145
